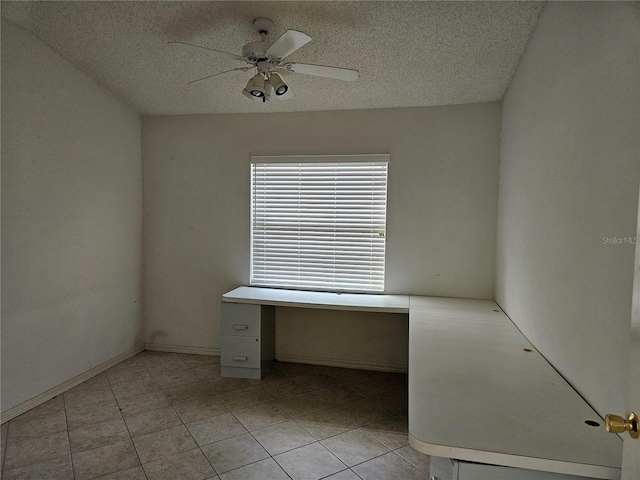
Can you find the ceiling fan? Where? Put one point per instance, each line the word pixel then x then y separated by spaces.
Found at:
pixel 269 59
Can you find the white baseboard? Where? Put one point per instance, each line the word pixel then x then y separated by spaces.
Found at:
pixel 330 362
pixel 158 347
pixel 337 362
pixel 69 384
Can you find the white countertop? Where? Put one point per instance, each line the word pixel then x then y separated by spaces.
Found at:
pixel 321 300
pixel 475 394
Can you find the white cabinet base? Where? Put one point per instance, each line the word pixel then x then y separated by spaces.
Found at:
pixel 449 469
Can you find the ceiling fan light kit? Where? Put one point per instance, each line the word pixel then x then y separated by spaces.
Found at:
pixel 256 86
pixel 279 86
pixel 266 59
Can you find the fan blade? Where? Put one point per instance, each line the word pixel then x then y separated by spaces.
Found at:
pixel 232 55
pixel 244 69
pixel 337 73
pixel 288 43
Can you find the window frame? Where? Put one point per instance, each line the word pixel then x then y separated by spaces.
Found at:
pixel 319 159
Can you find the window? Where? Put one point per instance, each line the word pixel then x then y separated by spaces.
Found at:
pixel 319 222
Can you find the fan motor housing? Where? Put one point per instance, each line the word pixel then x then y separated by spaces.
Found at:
pixel 255 51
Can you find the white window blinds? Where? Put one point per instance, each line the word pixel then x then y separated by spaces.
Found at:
pixel 319 223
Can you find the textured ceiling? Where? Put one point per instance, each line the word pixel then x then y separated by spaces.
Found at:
pixel 408 53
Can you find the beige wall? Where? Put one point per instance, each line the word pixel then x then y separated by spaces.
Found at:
pixel 569 178
pixel 71 221
pixel 441 211
pixel 377 341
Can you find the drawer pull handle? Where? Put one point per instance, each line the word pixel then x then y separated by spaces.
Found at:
pixel 239 359
pixel 240 327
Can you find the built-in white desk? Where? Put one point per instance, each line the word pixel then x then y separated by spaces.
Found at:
pixel 321 300
pixel 478 390
pixel 248 322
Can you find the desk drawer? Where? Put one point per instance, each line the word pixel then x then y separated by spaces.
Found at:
pixel 239 351
pixel 241 319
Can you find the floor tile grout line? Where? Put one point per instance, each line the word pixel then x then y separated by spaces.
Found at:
pixel 31 419
pixel 187 428
pixel 273 402
pixel 340 471
pixel 409 462
pixel 329 407
pixel 301 446
pixel 34 437
pixel 355 473
pixel 66 422
pixel 237 419
pixel 36 463
pixel 329 451
pixel 191 434
pixel 125 423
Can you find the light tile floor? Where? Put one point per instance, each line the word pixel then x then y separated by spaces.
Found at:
pixel 172 416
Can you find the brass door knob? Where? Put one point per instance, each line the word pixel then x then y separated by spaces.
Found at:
pixel 617 424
